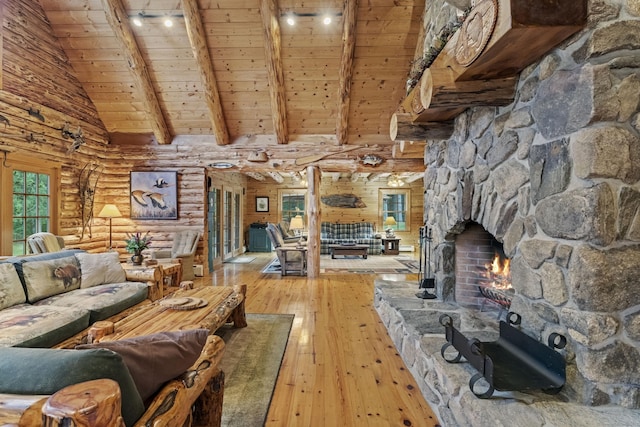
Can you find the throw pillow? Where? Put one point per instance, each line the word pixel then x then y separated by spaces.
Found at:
pixel 45 371
pixel 157 358
pixel 46 278
pixel 92 268
pixel 114 272
pixel 11 291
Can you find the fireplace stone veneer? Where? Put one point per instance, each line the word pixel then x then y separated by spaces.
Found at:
pixel 555 177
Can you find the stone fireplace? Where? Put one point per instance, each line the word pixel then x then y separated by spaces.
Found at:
pixel 555 178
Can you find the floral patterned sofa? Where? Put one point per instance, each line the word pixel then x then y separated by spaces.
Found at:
pixel 47 298
pixel 360 233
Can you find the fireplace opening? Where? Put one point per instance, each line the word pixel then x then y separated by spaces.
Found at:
pixel 482 271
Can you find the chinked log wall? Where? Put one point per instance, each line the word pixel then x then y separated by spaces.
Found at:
pixel 522 33
pixel 37 75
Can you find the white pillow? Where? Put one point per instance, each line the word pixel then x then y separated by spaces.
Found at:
pixel 93 269
pixel 11 292
pixel 114 272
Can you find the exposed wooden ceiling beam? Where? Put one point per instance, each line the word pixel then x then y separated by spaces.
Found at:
pixel 409 149
pixel 413 177
pixel 118 20
pixel 335 176
pixel 276 177
pixel 255 175
pixel 273 44
pixel 198 40
pixel 350 17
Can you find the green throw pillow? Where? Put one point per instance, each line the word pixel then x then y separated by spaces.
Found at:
pixel 45 371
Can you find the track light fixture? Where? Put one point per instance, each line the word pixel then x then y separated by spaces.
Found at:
pixel 167 19
pixel 327 18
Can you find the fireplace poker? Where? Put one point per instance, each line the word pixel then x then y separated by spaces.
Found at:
pixel 427 281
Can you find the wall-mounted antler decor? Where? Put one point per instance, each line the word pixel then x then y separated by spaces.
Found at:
pixel 78 137
pixel 87 181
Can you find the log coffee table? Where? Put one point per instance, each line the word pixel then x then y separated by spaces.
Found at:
pixel 222 303
pixel 360 250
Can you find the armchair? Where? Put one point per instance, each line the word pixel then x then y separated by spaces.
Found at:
pixel 40 243
pixel 185 244
pixel 291 256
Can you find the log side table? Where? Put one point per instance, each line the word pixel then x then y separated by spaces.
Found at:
pixel 391 246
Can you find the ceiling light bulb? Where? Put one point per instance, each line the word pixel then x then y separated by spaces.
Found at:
pixel 291 21
pixel 137 22
pixel 168 22
pixel 326 20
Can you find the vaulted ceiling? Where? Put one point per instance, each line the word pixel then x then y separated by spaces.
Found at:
pixel 235 73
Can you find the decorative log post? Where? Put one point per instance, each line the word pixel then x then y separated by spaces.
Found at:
pixel 313 215
pixel 403 128
pixel 438 89
pixel 89 404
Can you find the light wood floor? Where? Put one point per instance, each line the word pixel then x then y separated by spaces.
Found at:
pixel 340 367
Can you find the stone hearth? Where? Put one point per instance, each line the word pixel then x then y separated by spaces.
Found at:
pixel 417 334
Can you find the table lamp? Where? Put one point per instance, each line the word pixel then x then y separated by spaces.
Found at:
pixel 109 211
pixel 297 226
pixel 390 222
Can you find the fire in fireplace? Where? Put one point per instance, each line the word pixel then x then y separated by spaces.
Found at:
pixel 482 269
pixel 494 280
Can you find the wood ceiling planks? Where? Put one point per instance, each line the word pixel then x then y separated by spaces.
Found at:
pixel 312 60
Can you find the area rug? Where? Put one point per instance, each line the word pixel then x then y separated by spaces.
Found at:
pixel 251 363
pixel 240 260
pixel 374 264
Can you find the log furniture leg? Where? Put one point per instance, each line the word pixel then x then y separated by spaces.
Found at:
pixel 208 408
pixel 238 315
pixel 89 404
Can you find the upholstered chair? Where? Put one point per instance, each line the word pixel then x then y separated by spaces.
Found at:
pixel 40 243
pixel 289 260
pixel 185 244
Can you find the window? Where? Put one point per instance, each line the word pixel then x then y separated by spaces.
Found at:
pixel 292 203
pixel 31 206
pixel 396 204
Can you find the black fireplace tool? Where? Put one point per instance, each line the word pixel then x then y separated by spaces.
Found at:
pixel 425 282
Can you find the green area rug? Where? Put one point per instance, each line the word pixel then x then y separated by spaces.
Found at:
pixel 251 363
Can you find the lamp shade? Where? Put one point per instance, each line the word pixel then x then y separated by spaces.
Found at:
pixel 109 211
pixel 390 221
pixel 296 223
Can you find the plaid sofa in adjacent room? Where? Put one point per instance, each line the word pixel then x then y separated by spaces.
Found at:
pixel 361 233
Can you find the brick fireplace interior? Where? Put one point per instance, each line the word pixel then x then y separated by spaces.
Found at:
pixel 480 264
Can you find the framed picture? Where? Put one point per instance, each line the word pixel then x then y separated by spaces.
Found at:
pixel 262 204
pixel 154 195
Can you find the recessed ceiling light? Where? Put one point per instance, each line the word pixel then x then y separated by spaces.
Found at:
pixel 291 20
pixel 168 22
pixel 137 22
pixel 326 20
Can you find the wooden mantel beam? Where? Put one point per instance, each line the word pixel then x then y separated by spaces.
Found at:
pixel 119 22
pixel 198 40
pixel 346 69
pixel 273 43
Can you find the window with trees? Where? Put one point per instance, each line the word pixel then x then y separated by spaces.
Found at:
pixel 31 205
pixel 395 204
pixel 292 203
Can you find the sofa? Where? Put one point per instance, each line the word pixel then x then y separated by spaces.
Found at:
pixel 360 233
pixel 165 379
pixel 162 379
pixel 47 298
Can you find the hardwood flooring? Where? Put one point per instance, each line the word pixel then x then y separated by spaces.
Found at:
pixel 340 367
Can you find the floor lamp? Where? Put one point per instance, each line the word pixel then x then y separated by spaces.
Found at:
pixel 109 211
